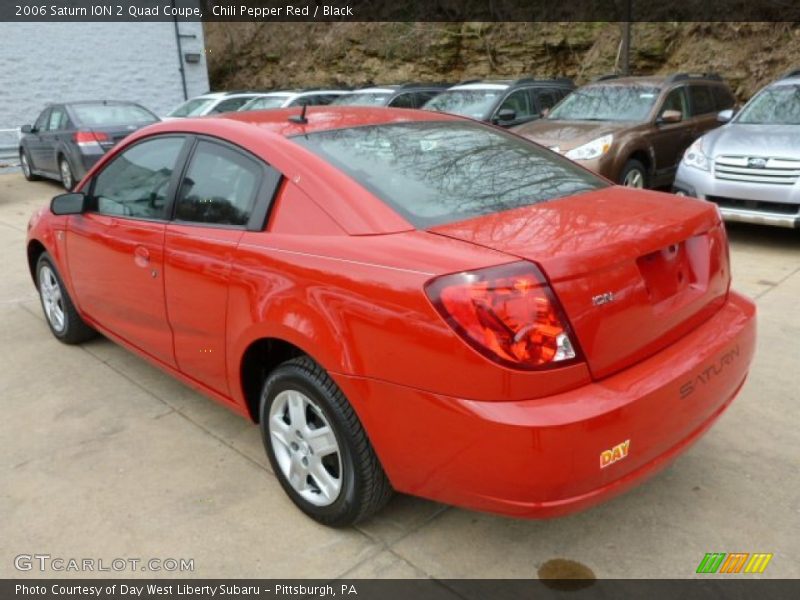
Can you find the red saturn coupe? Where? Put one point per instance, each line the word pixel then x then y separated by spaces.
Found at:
pixel 406 301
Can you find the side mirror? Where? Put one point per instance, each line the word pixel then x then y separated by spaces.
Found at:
pixel 27 129
pixel 73 203
pixel 725 115
pixel 506 114
pixel 670 116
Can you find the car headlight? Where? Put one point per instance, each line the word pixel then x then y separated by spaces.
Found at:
pixel 594 149
pixel 695 157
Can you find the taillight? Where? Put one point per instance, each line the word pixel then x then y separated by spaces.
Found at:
pixel 508 313
pixel 89 138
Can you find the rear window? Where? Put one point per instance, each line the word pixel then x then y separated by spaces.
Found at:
pixel 434 173
pixel 102 115
pixel 702 100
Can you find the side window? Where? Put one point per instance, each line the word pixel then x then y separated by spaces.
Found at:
pixel 220 186
pixel 546 98
pixel 422 97
pixel 57 119
pixel 230 105
pixel 135 183
pixel 520 102
pixel 702 100
pixel 403 101
pixel 41 122
pixel 723 97
pixel 676 100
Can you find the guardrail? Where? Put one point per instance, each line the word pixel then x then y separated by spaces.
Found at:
pixel 9 145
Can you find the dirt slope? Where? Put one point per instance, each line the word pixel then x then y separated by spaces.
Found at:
pixel 269 56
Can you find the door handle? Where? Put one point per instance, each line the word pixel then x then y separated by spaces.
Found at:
pixel 141 256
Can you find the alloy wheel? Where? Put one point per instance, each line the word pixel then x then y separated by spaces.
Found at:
pixel 52 298
pixel 66 175
pixel 305 447
pixel 26 168
pixel 634 178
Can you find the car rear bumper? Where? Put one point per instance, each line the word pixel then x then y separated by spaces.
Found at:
pixel 542 458
pixel 747 202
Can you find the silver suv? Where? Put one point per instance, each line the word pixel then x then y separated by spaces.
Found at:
pixel 750 167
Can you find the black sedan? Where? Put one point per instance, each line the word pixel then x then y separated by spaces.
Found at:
pixel 67 139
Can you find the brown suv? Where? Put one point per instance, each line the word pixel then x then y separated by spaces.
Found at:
pixel 633 130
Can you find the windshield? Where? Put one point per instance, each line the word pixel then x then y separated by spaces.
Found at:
pixel 193 107
pixel 265 102
pixel 102 115
pixel 364 99
pixel 440 172
pixel 773 106
pixel 607 103
pixel 467 103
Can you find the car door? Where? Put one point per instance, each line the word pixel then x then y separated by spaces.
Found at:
pixel 56 127
pixel 223 193
pixel 34 143
pixel 669 140
pixel 116 249
pixel 521 103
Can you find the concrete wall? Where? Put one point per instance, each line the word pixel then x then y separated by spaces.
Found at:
pixel 58 62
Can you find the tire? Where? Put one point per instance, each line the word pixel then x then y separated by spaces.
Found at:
pixel 343 482
pixel 59 311
pixel 634 171
pixel 25 163
pixel 67 178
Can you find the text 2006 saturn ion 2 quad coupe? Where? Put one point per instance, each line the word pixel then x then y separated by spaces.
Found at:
pixel 406 301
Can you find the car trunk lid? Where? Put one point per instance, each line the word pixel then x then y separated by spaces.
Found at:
pixel 634 270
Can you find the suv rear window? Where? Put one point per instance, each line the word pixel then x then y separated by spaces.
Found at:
pixel 434 173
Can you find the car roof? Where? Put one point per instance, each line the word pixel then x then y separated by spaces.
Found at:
pixel 786 81
pixel 320 118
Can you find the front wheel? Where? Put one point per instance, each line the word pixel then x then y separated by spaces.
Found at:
pixel 62 317
pixel 318 448
pixel 634 174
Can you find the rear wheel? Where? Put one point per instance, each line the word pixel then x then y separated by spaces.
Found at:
pixel 67 178
pixel 26 166
pixel 634 174
pixel 64 321
pixel 318 448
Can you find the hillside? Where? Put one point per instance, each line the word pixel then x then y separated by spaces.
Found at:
pixel 284 55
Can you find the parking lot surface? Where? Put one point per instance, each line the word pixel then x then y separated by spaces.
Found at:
pixel 105 456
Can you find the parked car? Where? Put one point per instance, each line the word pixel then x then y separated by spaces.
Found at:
pixel 283 99
pixel 503 102
pixel 406 300
pixel 633 130
pixel 213 103
pixel 407 95
pixel 67 139
pixel 750 167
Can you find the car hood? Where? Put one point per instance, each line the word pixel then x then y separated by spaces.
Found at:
pixel 567 134
pixel 780 141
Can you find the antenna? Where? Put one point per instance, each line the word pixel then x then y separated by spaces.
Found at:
pixel 301 118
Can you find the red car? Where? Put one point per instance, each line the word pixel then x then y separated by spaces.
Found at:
pixel 406 301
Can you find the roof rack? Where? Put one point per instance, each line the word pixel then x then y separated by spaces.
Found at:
pixel 543 80
pixel 424 84
pixel 790 73
pixel 683 76
pixel 606 77
pixel 466 81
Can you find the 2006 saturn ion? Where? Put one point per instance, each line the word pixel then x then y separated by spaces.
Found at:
pixel 406 301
